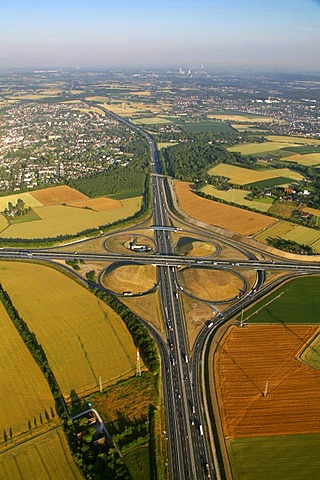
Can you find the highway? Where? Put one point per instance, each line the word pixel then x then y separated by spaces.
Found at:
pixel 188 454
pixel 163 259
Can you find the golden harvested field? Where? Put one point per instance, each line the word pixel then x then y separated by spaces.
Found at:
pixel 99 204
pixel 242 176
pixel 288 139
pixel 32 97
pixel 209 284
pixel 27 198
pixel 147 307
pixel 197 314
pixel 201 249
pixel 243 118
pixel 291 231
pixel 252 148
pixel 45 458
pixel 313 211
pixel 236 196
pixel 93 246
pixel 126 108
pixel 82 337
pixel 58 195
pixel 152 120
pixel 99 99
pixel 3 222
pixel 249 357
pixel 130 278
pixel 166 144
pixel 24 392
pixel 230 252
pixel 63 219
pixel 144 93
pixel 310 159
pixel 316 246
pixel 192 246
pixel 219 214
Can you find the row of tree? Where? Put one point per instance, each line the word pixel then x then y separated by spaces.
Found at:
pixel 290 246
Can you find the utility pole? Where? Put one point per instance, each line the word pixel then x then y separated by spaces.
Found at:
pixel 138 372
pixel 241 321
pixel 265 394
pixel 100 384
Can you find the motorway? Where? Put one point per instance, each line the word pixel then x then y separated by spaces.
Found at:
pixel 189 455
pixel 163 259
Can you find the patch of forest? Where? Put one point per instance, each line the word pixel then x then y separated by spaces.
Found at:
pixel 120 181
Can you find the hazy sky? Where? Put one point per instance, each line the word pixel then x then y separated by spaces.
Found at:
pixel 106 33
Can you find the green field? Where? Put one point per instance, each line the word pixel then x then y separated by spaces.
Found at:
pixel 26 401
pixel 30 216
pixel 297 301
pixel 62 219
pixel 311 354
pixel 291 231
pixel 44 458
pixel 81 336
pixel 237 196
pixel 208 126
pixel 303 149
pixel 271 182
pixel 137 461
pixel 285 457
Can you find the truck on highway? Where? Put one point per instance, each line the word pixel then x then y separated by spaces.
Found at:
pixel 200 429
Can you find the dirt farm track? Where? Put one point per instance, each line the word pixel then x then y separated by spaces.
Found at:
pixel 249 357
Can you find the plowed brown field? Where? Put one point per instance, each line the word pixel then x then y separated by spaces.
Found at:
pixel 58 195
pixel 249 357
pixel 219 214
